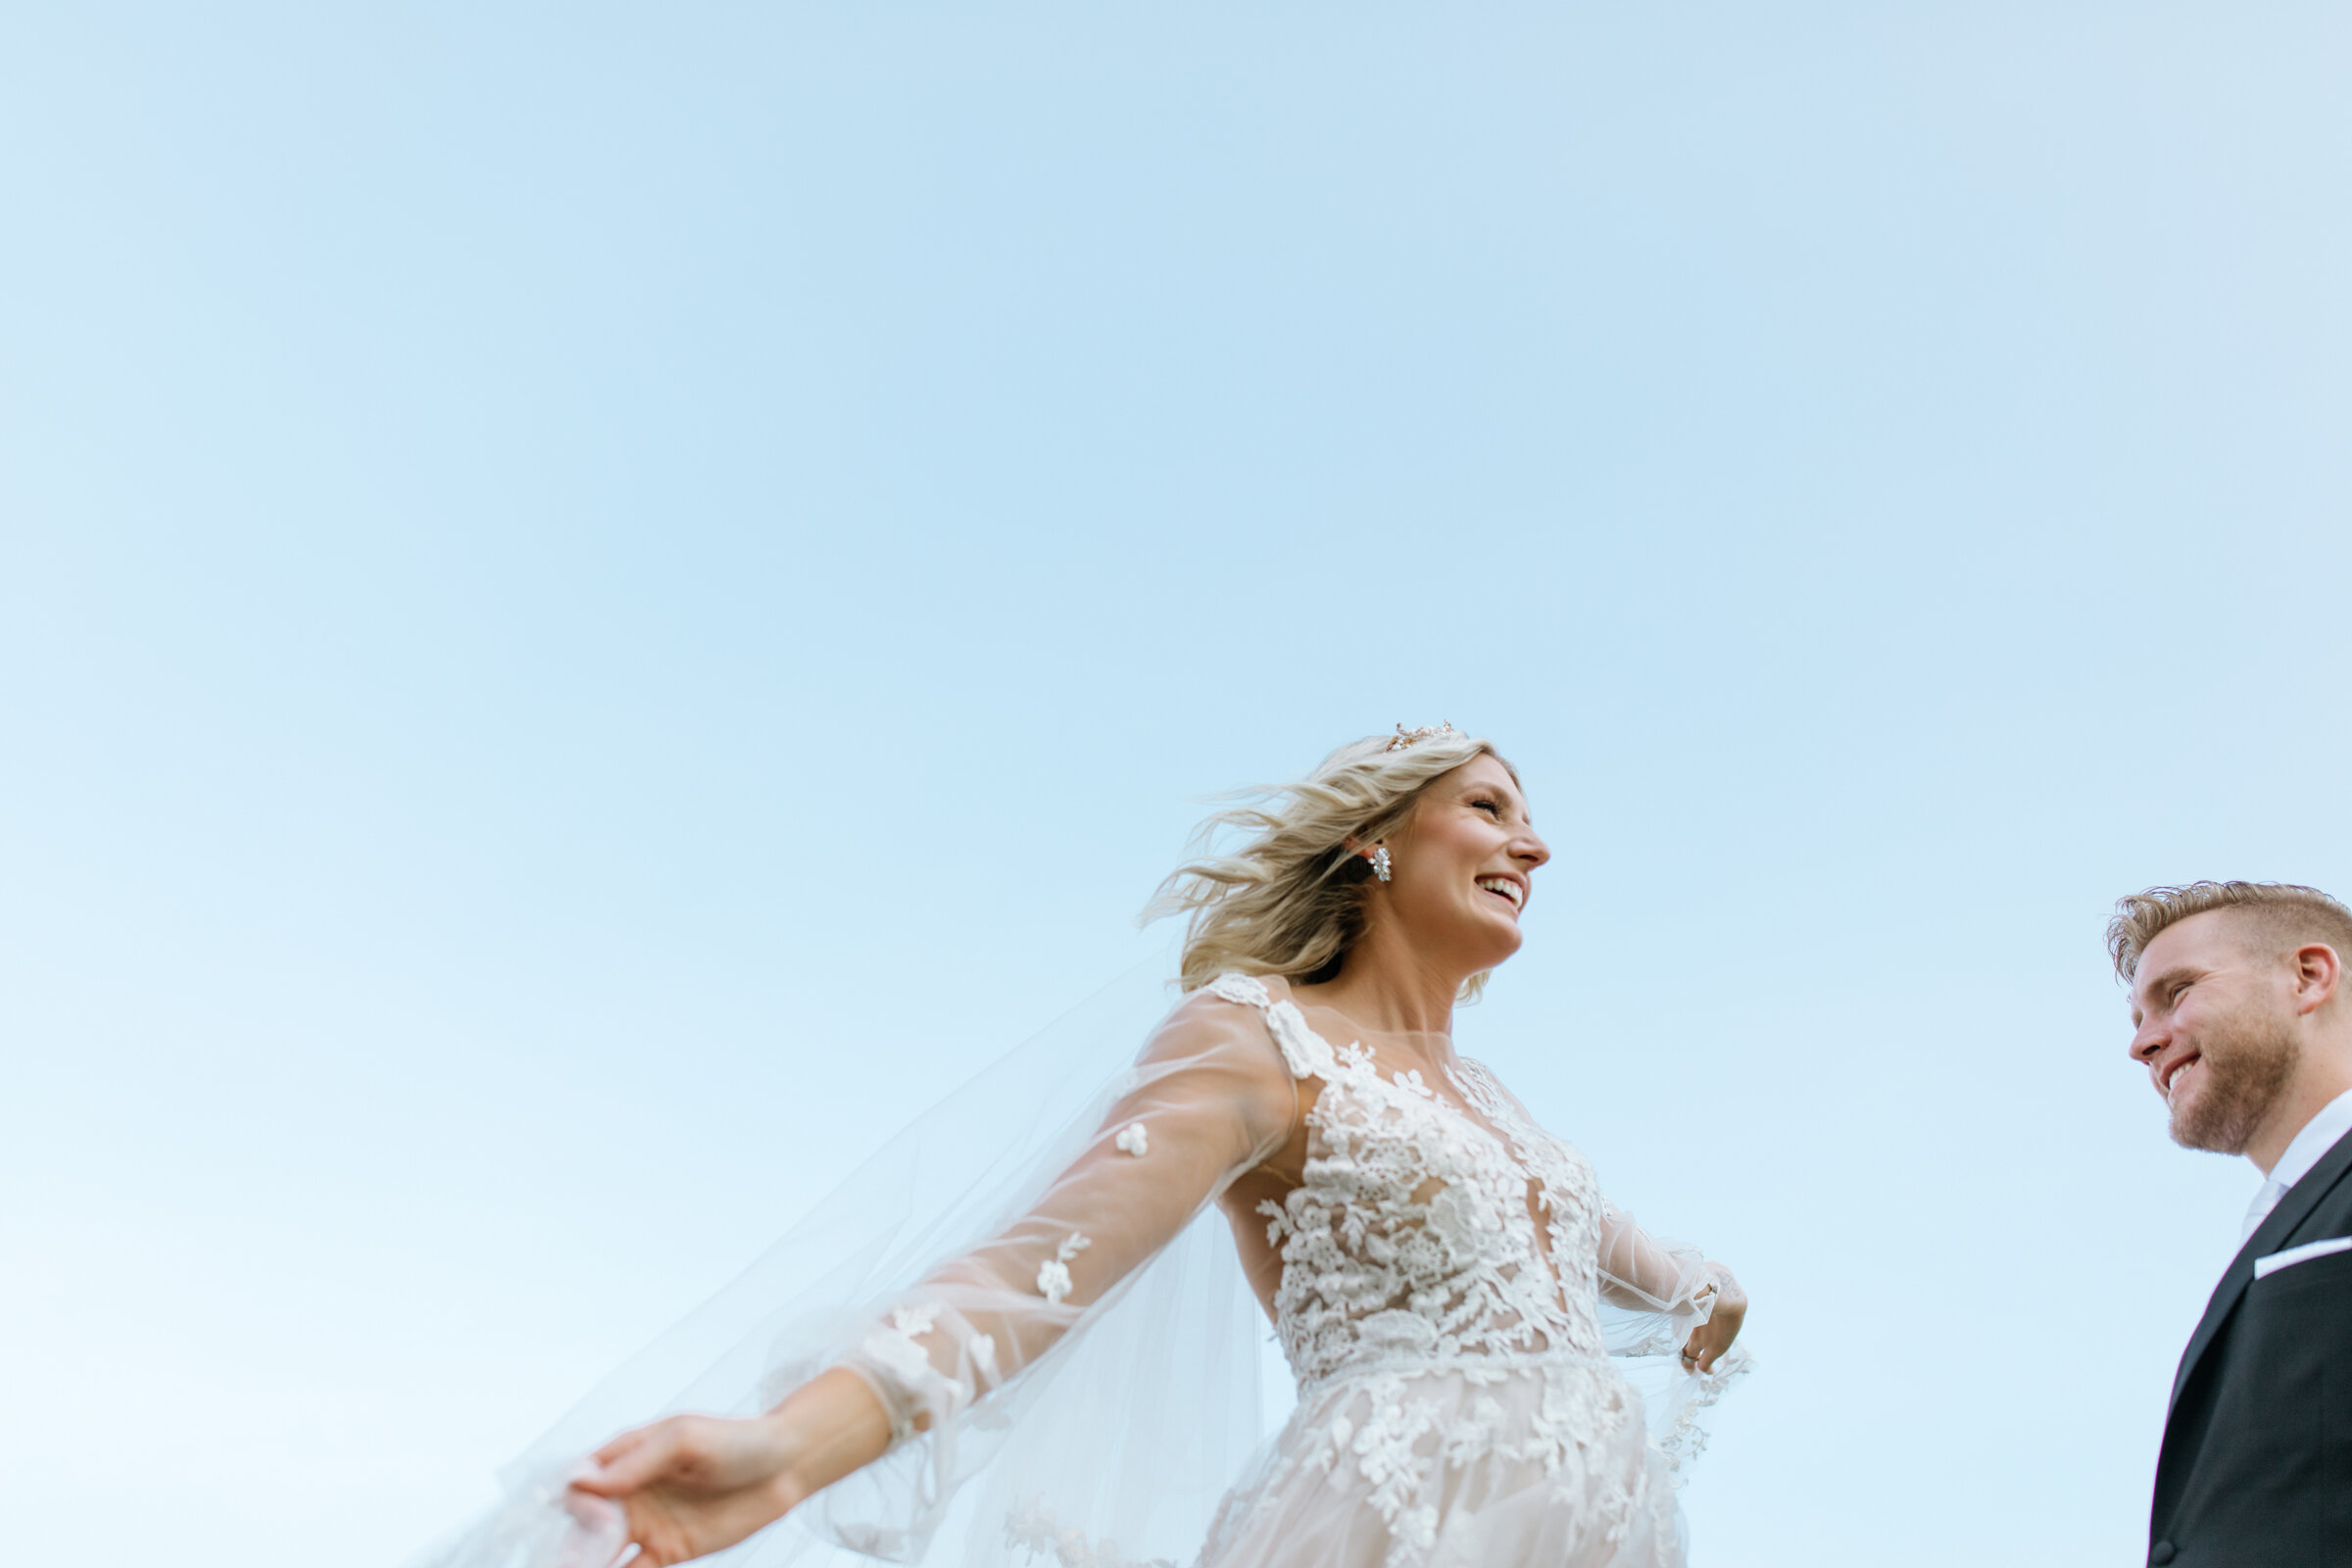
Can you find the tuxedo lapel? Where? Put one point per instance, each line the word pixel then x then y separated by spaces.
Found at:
pixel 2293 1208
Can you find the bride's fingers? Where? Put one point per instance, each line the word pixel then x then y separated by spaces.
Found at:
pixel 631 1467
pixel 619 1446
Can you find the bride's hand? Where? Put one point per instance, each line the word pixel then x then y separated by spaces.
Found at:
pixel 694 1484
pixel 698 1484
pixel 1713 1338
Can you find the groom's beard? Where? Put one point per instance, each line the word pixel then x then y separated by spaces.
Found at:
pixel 2245 1061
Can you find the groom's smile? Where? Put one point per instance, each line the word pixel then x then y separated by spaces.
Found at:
pixel 2168 1075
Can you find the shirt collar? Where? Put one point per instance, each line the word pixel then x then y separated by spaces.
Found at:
pixel 2319 1135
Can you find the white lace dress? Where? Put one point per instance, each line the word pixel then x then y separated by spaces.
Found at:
pixel 1442 1265
pixel 1445 1268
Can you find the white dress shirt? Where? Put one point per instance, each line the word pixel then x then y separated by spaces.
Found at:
pixel 2319 1135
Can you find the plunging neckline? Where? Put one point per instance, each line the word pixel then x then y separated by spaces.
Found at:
pixel 1538 1196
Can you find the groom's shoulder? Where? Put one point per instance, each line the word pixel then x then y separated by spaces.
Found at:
pixel 2327 1186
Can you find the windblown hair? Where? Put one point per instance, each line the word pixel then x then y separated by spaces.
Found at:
pixel 2287 917
pixel 1291 900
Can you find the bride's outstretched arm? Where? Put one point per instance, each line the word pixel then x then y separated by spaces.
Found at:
pixel 1208 1100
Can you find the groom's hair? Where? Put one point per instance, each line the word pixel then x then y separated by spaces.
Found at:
pixel 2284 915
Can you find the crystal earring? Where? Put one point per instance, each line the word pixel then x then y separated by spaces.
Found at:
pixel 1380 863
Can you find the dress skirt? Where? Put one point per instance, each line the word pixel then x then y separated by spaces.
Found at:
pixel 1454 1464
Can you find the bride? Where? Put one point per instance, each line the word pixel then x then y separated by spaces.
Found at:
pixel 1444 1277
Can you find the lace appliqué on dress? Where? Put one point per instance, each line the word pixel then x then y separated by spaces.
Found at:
pixel 1053 1274
pixel 1305 1052
pixel 895 1361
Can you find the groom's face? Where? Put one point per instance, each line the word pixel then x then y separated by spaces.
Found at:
pixel 2212 1029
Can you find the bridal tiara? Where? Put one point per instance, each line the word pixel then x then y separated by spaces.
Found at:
pixel 1407 738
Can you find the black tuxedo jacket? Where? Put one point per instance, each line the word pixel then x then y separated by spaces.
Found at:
pixel 2256 1469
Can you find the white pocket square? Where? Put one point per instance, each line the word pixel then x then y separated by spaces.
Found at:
pixel 2264 1267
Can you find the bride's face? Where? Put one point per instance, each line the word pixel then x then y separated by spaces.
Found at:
pixel 1461 868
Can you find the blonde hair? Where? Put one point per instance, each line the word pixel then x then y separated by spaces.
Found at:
pixel 2286 915
pixel 1291 900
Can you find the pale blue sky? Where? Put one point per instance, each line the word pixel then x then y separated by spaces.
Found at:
pixel 598 602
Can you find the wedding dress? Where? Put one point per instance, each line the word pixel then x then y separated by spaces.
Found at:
pixel 1466 1317
pixel 1442 1269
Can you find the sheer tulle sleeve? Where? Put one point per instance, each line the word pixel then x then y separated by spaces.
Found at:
pixel 1646 1273
pixel 1208 1100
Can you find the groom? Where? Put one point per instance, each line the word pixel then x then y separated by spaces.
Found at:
pixel 2244 1022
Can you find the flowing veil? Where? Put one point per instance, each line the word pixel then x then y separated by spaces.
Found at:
pixel 1113 1451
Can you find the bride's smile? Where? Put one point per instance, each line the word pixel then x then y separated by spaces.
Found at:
pixel 1511 890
